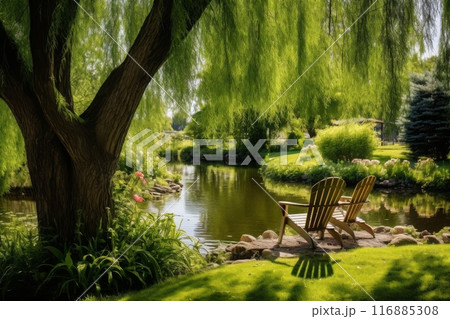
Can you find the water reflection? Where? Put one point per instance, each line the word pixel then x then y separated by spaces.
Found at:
pixel 423 211
pixel 15 211
pixel 222 205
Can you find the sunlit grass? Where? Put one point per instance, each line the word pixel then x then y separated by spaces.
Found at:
pixel 384 153
pixel 292 156
pixel 403 273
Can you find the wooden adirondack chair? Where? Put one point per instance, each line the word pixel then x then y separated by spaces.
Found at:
pixel 323 201
pixel 344 219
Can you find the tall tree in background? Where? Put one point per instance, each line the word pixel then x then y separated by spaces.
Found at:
pixel 72 157
pixel 427 127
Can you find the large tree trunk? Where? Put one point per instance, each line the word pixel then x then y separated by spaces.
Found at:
pixel 68 191
pixel 72 158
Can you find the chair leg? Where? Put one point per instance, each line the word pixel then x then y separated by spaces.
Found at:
pixel 367 228
pixel 321 234
pixel 282 227
pixel 343 226
pixel 336 236
pixel 301 232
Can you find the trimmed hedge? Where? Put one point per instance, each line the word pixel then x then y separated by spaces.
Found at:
pixel 346 142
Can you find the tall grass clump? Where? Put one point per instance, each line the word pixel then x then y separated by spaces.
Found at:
pixel 346 142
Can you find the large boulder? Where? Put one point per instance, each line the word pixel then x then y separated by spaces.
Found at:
pixel 399 229
pixel 268 254
pixel 446 238
pixel 431 239
pixel 247 238
pixel 382 229
pixel 402 240
pixel 424 233
pixel 241 251
pixel 269 234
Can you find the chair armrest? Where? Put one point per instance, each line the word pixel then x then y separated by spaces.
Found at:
pixel 350 203
pixel 283 203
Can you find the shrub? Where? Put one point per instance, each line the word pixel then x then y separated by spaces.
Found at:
pixel 427 130
pixel 296 134
pixel 344 143
pixel 187 154
pixel 319 172
pixel 352 174
pixel 428 173
pixel 399 170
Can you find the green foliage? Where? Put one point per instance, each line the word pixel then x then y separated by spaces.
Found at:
pixel 239 75
pixel 399 170
pixel 427 130
pixel 425 174
pixel 443 58
pixel 12 150
pixel 295 131
pixel 344 143
pixel 431 176
pixel 319 172
pixel 155 249
pixel 352 174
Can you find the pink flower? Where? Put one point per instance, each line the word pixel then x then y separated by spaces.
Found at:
pixel 143 181
pixel 139 174
pixel 138 198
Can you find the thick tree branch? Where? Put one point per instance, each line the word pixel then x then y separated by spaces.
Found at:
pixel 63 53
pixel 48 43
pixel 112 110
pixel 14 83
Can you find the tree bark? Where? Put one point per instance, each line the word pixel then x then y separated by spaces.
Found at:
pixel 72 159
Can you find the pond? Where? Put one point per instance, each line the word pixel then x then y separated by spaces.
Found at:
pixel 220 203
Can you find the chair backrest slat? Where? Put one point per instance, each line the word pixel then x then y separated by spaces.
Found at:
pixel 359 197
pixel 324 199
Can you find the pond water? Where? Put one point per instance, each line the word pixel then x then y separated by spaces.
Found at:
pixel 221 203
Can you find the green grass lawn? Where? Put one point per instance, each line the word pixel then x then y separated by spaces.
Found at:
pixel 384 153
pixel 393 273
pixel 292 156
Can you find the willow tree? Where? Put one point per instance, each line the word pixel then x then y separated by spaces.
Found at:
pixel 443 61
pixel 72 156
pixel 252 51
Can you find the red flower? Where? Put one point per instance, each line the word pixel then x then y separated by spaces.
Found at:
pixel 143 181
pixel 138 198
pixel 139 174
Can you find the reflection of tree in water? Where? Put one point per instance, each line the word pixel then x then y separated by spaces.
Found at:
pixel 17 211
pixel 381 216
pixel 232 204
pixel 422 210
pixel 431 223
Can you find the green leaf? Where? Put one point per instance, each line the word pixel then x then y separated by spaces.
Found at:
pixel 68 260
